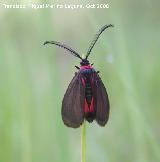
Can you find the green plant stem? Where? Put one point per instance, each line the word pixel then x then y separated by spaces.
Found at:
pixel 83 142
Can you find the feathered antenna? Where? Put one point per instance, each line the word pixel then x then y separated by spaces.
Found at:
pixel 96 38
pixel 74 53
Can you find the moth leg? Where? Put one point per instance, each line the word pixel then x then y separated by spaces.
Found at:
pixel 77 67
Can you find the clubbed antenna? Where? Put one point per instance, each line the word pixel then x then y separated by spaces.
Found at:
pixel 74 53
pixel 96 38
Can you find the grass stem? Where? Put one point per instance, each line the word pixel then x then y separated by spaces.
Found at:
pixel 83 142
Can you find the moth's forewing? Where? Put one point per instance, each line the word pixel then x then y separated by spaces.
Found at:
pixel 73 102
pixel 101 101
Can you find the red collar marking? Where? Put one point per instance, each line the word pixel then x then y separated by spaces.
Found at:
pixel 85 67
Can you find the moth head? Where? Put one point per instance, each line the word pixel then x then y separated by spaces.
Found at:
pixel 84 62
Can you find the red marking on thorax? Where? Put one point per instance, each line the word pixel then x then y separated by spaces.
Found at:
pixel 85 67
pixel 83 82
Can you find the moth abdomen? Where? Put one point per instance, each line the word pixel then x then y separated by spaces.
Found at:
pixel 87 82
pixel 88 91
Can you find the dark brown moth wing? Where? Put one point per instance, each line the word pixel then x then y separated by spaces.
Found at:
pixel 101 101
pixel 72 104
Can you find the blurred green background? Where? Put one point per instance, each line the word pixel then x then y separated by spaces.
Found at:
pixel 34 79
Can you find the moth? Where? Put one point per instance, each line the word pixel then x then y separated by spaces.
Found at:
pixel 86 97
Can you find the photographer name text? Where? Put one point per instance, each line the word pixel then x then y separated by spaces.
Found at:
pixel 56 6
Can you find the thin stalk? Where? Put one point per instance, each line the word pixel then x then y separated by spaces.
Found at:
pixel 83 142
